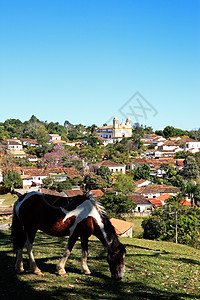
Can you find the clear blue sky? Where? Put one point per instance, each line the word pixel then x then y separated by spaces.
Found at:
pixel 82 61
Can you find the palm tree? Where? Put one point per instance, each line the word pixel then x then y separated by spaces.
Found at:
pixel 192 190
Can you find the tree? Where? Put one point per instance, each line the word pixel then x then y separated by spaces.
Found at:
pixel 94 182
pixel 41 135
pixel 12 180
pixel 190 168
pixel 93 141
pixel 64 185
pixel 106 174
pixel 192 190
pixel 168 131
pixel 169 170
pixel 141 172
pixel 117 205
pixel 124 184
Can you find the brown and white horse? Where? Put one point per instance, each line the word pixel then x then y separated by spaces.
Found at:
pixel 81 217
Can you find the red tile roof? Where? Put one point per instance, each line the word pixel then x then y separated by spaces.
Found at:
pixel 163 197
pixel 34 171
pixel 155 202
pixel 157 188
pixel 72 193
pixel 97 193
pixel 108 163
pixel 185 202
pixel 121 226
pixel 51 192
pixel 139 199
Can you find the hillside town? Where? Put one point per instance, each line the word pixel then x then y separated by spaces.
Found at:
pixel 67 163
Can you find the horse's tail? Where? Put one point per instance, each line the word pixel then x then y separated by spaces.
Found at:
pixel 18 236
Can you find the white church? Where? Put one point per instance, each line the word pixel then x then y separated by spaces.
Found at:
pixel 117 130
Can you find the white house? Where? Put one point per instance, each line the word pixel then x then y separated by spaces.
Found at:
pixel 29 142
pixel 154 191
pixel 113 167
pixel 142 203
pixel 190 145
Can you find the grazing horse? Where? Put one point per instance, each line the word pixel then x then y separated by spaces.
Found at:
pixel 79 216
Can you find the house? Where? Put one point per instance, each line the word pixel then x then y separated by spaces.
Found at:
pixel 152 139
pixel 29 142
pixel 1 176
pixel 27 181
pixel 113 167
pixel 189 144
pixel 116 130
pixel 56 139
pixel 36 175
pixel 110 140
pixel 174 138
pixel 168 145
pixel 163 198
pixel 32 158
pixel 122 228
pixel 156 203
pixel 143 182
pixel 154 191
pixel 142 203
pixel 154 164
pixel 14 147
pixel 167 153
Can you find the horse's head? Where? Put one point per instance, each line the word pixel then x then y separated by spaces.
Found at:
pixel 116 261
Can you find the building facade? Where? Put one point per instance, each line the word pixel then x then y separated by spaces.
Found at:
pixel 120 130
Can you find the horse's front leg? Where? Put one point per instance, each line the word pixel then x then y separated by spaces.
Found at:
pixel 61 265
pixel 84 246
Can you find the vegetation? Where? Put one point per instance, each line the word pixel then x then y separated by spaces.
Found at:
pixel 124 184
pixel 154 270
pixel 173 221
pixel 117 205
pixel 12 180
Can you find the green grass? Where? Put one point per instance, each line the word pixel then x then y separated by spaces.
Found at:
pixel 154 270
pixel 137 228
pixel 8 199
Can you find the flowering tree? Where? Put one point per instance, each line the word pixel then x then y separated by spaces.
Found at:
pixel 57 158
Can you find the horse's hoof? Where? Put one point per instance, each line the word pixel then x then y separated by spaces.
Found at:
pixel 88 273
pixel 38 272
pixel 62 273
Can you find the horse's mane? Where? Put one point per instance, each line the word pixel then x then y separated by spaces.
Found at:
pixel 109 228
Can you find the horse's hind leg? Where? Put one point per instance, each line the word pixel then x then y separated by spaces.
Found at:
pixel 84 246
pixel 29 246
pixel 19 261
pixel 61 265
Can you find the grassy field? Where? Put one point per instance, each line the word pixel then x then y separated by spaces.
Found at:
pixel 154 270
pixel 137 228
pixel 8 199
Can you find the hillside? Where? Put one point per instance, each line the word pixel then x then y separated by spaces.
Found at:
pixel 154 270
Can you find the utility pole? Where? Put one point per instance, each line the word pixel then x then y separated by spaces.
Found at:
pixel 176 227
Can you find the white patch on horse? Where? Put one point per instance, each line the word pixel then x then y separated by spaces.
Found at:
pixel 84 210
pixel 28 195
